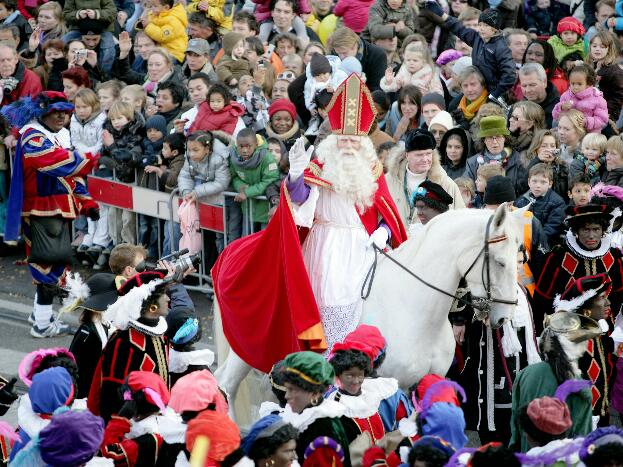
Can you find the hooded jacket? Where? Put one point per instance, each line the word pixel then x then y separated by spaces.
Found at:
pixel 311 86
pixel 209 177
pixel 396 164
pixel 87 136
pixel 229 67
pixel 255 174
pixel 591 103
pixel 169 30
pixel 514 169
pixel 455 171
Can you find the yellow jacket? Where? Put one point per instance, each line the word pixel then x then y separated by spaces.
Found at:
pixel 169 30
pixel 220 11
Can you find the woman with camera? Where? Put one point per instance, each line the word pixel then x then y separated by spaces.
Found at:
pixel 545 148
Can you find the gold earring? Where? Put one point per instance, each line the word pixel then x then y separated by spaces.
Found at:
pixel 315 401
pixel 153 308
pixel 587 313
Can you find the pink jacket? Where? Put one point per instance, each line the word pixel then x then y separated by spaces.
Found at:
pixel 354 13
pixel 262 10
pixel 591 103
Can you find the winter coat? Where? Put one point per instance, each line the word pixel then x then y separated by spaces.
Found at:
pixel 610 82
pixel 427 80
pixel 560 175
pixel 151 155
pixel 614 177
pixel 209 177
pixel 105 11
pixel 224 120
pixel 396 163
pixel 455 171
pixel 561 50
pixel 354 13
pixel 594 169
pixel 125 154
pixel 86 346
pixel 543 22
pixel 220 11
pixel 255 174
pixel 25 30
pixel 513 167
pixel 168 29
pixel 311 86
pixel 493 58
pixel 591 103
pixel 521 143
pixel 173 167
pixel 549 209
pixel 380 14
pixel 29 85
pixel 229 69
pixel 87 136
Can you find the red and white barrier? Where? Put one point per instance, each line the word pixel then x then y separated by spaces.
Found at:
pixel 150 202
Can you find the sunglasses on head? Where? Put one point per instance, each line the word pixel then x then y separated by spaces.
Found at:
pixel 286 76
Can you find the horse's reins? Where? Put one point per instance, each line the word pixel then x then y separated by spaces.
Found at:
pixel 482 304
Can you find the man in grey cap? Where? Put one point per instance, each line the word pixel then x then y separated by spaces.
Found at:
pixel 198 59
pixel 386 39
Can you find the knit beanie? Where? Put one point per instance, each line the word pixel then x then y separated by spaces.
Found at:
pixel 158 122
pixel 461 64
pixel 569 23
pixel 282 104
pixel 319 64
pixel 499 190
pixel 230 40
pixel 443 118
pixel 491 17
pixel 434 98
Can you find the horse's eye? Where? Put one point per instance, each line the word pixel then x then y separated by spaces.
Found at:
pixel 501 264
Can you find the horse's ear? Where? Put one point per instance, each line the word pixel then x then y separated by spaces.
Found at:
pixel 500 216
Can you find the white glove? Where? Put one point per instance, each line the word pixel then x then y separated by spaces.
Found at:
pixel 299 158
pixel 379 237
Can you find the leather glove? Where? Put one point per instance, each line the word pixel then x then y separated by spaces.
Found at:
pixel 7 396
pixel 299 158
pixel 379 237
pixel 93 214
pixel 434 7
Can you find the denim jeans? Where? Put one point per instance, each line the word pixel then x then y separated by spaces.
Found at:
pixel 106 55
pixel 148 234
pixel 177 233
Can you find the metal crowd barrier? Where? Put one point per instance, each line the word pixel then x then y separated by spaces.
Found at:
pixel 164 206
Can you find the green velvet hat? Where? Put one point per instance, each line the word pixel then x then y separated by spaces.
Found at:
pixel 493 125
pixel 310 367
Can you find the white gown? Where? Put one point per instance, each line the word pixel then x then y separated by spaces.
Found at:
pixel 337 259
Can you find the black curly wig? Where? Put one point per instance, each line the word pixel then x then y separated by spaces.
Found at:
pixel 429 455
pixel 299 382
pixel 607 455
pixel 344 360
pixel 265 447
pixel 495 456
pixel 576 224
pixel 153 299
pixel 51 361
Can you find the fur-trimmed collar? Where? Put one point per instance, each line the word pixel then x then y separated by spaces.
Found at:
pixel 294 131
pixel 301 421
pixel 396 163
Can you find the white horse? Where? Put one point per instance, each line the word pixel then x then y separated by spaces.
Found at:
pixel 413 316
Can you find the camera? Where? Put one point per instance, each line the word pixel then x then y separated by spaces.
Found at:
pixel 9 85
pixel 556 152
pixel 81 53
pixel 181 261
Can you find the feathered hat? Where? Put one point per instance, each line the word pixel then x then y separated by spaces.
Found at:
pixel 97 293
pixel 30 108
pixel 128 307
pixel 581 291
pixel 351 110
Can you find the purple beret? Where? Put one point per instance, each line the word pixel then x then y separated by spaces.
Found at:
pixel 448 56
pixel 72 438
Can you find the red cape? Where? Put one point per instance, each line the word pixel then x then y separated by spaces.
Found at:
pixel 263 290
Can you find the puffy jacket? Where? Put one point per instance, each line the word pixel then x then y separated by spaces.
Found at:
pixel 426 79
pixel 221 11
pixel 591 103
pixel 354 13
pixel 493 58
pixel 255 174
pixel 87 136
pixel 125 154
pixel 105 10
pixel 381 14
pixel 549 209
pixel 561 50
pixel 209 177
pixel 169 30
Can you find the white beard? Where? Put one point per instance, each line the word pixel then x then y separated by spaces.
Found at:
pixel 350 174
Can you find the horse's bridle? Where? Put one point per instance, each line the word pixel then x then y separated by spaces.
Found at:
pixel 482 305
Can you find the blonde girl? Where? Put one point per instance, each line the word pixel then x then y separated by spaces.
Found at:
pixel 603 54
pixel 417 69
